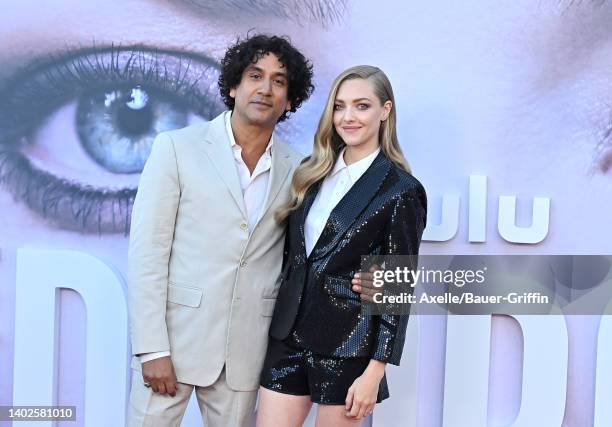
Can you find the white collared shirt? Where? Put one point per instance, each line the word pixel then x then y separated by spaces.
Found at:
pixel 254 186
pixel 254 189
pixel 334 187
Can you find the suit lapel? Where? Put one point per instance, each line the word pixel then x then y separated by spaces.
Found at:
pixel 217 147
pixel 279 171
pixel 351 205
pixel 309 199
pixel 303 213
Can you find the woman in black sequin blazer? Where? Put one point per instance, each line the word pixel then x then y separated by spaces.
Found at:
pixel 354 196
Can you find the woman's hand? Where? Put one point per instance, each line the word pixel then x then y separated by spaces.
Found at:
pixel 362 394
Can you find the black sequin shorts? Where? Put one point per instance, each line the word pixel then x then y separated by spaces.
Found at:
pixel 300 372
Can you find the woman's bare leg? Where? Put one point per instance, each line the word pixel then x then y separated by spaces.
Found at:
pixel 281 410
pixel 335 415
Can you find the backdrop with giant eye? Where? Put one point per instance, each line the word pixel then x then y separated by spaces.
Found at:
pixel 504 114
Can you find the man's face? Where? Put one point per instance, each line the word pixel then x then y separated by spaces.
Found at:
pixel 261 96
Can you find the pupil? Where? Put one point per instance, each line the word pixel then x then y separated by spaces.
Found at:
pixel 134 122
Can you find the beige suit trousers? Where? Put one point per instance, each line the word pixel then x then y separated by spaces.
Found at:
pixel 220 406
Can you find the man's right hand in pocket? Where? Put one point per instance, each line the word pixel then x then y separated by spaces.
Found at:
pixel 159 374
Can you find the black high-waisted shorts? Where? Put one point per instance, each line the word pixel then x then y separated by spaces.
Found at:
pixel 291 370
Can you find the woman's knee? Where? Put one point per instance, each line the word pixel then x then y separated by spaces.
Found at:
pixel 281 410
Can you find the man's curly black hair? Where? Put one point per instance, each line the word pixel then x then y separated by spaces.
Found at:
pixel 249 51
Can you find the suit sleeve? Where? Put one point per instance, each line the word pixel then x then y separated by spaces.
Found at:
pixel 402 237
pixel 151 234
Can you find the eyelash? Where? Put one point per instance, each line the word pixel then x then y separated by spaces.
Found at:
pixel 40 89
pixel 603 152
pixel 257 76
pixel 76 73
pixel 337 107
pixel 50 195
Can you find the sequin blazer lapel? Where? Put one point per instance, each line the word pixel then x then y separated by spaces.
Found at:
pixel 348 209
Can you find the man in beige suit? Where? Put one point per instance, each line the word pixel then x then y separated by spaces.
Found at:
pixel 205 251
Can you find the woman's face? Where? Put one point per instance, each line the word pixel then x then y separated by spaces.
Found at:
pixel 358 113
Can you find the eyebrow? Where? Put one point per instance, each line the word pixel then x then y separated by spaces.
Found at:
pixel 355 100
pixel 571 3
pixel 323 12
pixel 258 69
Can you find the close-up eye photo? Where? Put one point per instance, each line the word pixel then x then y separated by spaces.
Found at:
pixel 306 213
pixel 76 130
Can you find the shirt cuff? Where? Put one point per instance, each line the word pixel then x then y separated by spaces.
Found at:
pixel 151 356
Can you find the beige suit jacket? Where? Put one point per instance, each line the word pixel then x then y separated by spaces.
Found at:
pixel 200 284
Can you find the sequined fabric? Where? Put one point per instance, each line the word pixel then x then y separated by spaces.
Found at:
pixel 384 213
pixel 301 372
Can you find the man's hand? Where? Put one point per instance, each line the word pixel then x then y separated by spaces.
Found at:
pixel 364 284
pixel 159 374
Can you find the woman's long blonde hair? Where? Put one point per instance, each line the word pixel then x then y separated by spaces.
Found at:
pixel 328 144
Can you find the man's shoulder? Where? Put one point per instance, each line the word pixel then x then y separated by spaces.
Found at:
pixel 294 155
pixel 187 134
pixel 197 131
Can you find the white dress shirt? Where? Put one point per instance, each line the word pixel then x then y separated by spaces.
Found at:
pixel 333 189
pixel 254 186
pixel 254 189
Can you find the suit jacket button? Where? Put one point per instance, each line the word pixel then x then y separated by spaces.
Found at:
pixel 244 226
pixel 243 263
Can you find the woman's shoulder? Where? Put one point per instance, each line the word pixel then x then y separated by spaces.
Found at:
pixel 406 188
pixel 405 183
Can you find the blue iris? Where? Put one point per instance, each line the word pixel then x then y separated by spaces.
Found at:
pixel 117 127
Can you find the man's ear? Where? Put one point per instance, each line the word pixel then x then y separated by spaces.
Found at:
pixel 232 92
pixel 288 107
